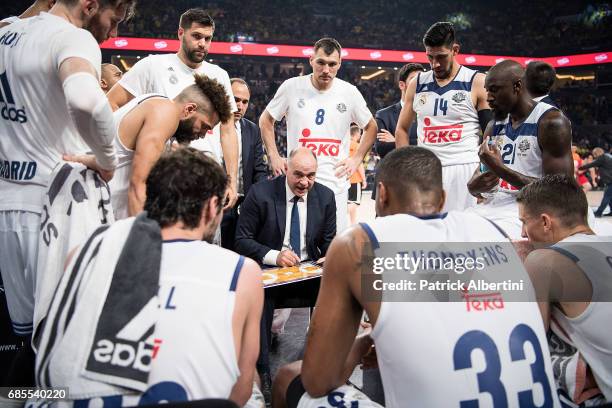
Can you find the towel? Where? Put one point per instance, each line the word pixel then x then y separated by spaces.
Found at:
pixel 96 339
pixel 76 203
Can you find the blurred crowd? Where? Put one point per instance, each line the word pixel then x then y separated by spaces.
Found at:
pixel 484 27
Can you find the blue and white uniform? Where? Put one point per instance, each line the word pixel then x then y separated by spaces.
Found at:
pixel 520 151
pixel 35 131
pixel 447 124
pixel 443 354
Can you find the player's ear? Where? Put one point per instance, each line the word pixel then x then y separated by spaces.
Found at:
pixel 189 110
pixel 546 222
pixel 456 48
pixel 90 7
pixel 103 84
pixel 442 201
pixel 181 33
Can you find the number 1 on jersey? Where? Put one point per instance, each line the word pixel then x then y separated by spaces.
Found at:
pixel 320 117
pixel 441 104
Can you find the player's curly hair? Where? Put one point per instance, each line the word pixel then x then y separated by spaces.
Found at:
pixel 208 88
pixel 180 184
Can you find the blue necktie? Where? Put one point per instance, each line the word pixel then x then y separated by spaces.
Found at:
pixel 294 232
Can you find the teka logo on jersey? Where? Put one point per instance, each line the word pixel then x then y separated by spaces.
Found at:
pixel 320 147
pixel 441 134
pixel 120 43
pixel 160 45
pixel 9 110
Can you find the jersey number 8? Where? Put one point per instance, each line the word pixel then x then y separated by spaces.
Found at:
pixel 320 117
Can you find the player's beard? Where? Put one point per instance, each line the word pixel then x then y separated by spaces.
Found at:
pixel 209 236
pixel 97 29
pixel 184 132
pixel 446 74
pixel 191 53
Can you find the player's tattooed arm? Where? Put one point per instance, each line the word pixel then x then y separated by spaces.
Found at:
pixel 406 117
pixel 555 139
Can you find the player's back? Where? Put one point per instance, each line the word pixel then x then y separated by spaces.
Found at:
pixel 590 331
pixel 35 126
pixel 480 348
pixel 446 117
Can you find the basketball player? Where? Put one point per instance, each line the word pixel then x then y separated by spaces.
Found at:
pixel 450 104
pixel 145 125
pixel 111 74
pixel 205 337
pixel 529 139
pixel 319 109
pixel 35 9
pixel 52 105
pixel 571 277
pixel 426 351
pixel 169 74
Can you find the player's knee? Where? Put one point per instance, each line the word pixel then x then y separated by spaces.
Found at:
pixel 284 376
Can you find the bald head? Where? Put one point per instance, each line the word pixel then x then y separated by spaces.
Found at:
pixel 507 70
pixel 110 75
pixel 505 89
pixel 302 171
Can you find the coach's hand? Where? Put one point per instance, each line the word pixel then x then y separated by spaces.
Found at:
pixel 347 167
pixel 482 183
pixel 385 136
pixel 489 154
pixel 287 257
pixel 278 165
pixel 89 161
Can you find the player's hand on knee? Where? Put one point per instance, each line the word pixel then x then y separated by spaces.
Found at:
pixel 89 161
pixel 287 258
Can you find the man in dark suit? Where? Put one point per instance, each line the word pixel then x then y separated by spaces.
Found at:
pixel 386 118
pixel 539 80
pixel 251 166
pixel 282 222
pixel 276 230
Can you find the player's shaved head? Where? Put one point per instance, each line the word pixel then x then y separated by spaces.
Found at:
pixel 411 178
pixel 507 70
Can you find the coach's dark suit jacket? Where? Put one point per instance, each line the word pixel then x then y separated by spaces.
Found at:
pixel 261 226
pixel 386 118
pixel 254 170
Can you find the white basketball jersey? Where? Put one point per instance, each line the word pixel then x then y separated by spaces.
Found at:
pixel 321 121
pixel 451 354
pixel 519 147
pixel 193 352
pixel 121 180
pixel 447 120
pixel 590 332
pixel 35 126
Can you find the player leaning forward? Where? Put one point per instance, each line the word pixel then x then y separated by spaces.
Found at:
pixel 319 109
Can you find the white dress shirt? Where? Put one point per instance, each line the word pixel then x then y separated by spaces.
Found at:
pixel 270 258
